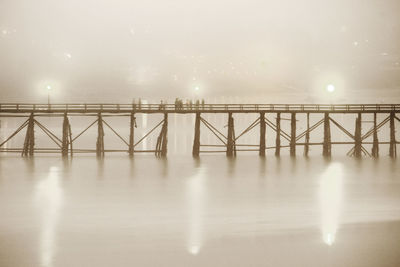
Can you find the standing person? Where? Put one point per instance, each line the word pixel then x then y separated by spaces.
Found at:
pixel 202 103
pixel 140 103
pixel 133 104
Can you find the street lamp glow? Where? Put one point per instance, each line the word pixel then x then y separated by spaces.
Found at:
pixel 197 88
pixel 330 88
pixel 48 87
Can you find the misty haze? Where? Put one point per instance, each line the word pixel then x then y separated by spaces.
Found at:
pixel 199 133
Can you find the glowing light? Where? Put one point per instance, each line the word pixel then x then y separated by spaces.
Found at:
pixel 194 250
pixel 330 88
pixel 355 43
pixel 197 88
pixel 48 87
pixel 68 56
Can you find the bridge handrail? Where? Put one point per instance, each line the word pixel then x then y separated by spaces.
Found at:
pixel 215 107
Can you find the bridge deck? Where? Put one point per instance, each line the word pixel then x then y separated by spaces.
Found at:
pixel 205 108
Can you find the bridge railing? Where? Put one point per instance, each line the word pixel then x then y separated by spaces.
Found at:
pixel 9 107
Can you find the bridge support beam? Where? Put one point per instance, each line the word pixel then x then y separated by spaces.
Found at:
pixel 375 143
pixel 262 134
pixel 392 147
pixel 162 140
pixel 357 137
pixel 100 136
pixel 230 146
pixel 66 145
pixel 278 135
pixel 132 134
pixel 307 143
pixel 29 144
pixel 327 145
pixel 293 135
pixel 196 141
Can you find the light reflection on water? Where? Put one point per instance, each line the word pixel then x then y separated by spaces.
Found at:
pixel 239 209
pixel 195 197
pixel 330 199
pixel 48 199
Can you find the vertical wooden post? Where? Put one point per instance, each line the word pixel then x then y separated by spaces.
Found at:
pixel 162 141
pixel 262 134
pixel 307 146
pixel 375 144
pixel 327 145
pixel 29 144
pixel 132 134
pixel 293 135
pixel 357 137
pixel 165 136
pixel 66 136
pixel 392 147
pixel 278 135
pixel 100 137
pixel 230 150
pixel 196 141
pixel 70 139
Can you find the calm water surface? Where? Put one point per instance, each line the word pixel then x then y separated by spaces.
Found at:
pixel 208 212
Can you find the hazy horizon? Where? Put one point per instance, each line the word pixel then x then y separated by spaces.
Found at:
pixel 280 51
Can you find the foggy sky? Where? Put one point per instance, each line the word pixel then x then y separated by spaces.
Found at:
pixel 114 51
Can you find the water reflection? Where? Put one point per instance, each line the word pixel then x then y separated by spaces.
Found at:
pixel 195 198
pixel 48 198
pixel 330 198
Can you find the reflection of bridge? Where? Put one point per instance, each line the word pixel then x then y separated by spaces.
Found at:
pixel 228 142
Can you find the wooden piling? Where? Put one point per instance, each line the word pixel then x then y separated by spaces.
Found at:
pixel 293 134
pixel 230 147
pixel 132 134
pixel 165 136
pixel 278 135
pixel 100 136
pixel 29 144
pixel 357 137
pixel 196 141
pixel 307 141
pixel 66 145
pixel 262 134
pixel 327 145
pixel 375 145
pixel 392 146
pixel 162 141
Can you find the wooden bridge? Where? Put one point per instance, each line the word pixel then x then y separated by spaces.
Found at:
pixel 229 140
